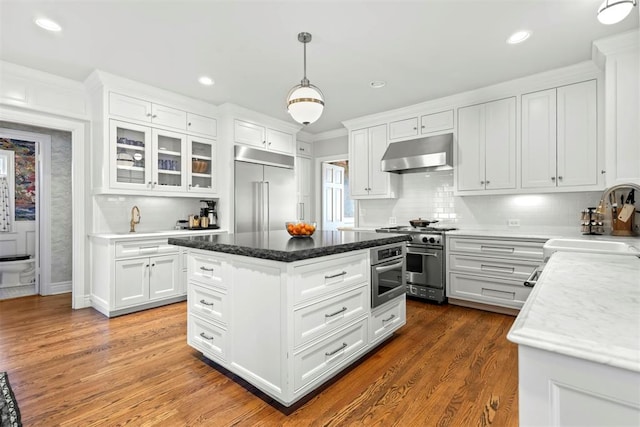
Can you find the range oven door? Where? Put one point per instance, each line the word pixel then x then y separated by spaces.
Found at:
pixel 387 281
pixel 425 266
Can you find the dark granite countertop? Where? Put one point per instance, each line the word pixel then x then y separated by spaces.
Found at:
pixel 279 246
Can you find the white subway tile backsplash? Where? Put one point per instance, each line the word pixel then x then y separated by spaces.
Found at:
pixel 430 195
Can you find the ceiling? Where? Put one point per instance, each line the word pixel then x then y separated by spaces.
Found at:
pixel 422 49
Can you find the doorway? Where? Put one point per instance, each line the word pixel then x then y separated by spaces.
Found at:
pixel 337 207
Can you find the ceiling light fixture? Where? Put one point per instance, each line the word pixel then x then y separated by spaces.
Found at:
pixel 518 37
pixel 48 24
pixel 206 81
pixel 305 102
pixel 377 84
pixel 614 11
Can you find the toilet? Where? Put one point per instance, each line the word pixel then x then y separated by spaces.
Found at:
pixel 16 270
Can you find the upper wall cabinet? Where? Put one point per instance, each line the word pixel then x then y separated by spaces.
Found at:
pixel 559 137
pixel 145 147
pixel 368 181
pixel 486 155
pixel 428 123
pixel 264 137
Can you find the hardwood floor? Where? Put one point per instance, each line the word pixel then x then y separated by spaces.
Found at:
pixel 449 366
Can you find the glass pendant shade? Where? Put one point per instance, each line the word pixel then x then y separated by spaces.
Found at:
pixel 305 104
pixel 614 11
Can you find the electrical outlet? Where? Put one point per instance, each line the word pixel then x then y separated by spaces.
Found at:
pixel 392 220
pixel 513 222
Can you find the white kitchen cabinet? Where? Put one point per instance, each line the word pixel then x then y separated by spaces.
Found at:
pixel 304 149
pixel 197 124
pixel 622 107
pixel 264 137
pixel 486 155
pixel 135 274
pixel 202 167
pixel 559 137
pixel 138 109
pixel 309 319
pixel 303 177
pixel 429 123
pixel 489 272
pixel 368 181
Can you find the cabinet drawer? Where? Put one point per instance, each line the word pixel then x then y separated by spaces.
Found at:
pixel 207 303
pixel 494 291
pixel 201 124
pixel 387 318
pixel 207 337
pixel 328 354
pixel 207 270
pixel 503 248
pixel 321 278
pixel 514 269
pixel 316 319
pixel 144 247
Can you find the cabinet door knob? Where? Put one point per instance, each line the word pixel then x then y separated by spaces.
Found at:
pixel 603 172
pixel 415 128
pixel 189 124
pixel 553 178
pixel 481 182
pixel 148 114
pixel 423 126
pixel 487 182
pixel 154 116
pixel 153 265
pixel 560 177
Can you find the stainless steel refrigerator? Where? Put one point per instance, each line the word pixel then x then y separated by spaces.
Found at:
pixel 265 190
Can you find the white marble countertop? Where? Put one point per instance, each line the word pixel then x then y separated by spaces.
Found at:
pixel 585 306
pixel 152 234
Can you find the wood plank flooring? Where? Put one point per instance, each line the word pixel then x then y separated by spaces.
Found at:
pixel 449 366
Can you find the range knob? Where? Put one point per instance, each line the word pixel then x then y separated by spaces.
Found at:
pixel 432 240
pixel 425 240
pixel 411 238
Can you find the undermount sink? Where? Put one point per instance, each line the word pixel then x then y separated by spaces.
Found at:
pixel 592 246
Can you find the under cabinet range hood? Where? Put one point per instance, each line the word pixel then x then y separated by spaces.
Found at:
pixel 433 153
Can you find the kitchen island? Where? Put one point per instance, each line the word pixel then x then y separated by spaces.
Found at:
pixel 286 314
pixel 578 338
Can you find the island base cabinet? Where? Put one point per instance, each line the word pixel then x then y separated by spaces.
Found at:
pixel 210 339
pixel 559 390
pixel 387 318
pixel 329 354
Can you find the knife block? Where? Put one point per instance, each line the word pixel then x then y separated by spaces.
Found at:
pixel 620 228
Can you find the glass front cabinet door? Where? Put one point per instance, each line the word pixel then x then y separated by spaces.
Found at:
pixel 202 165
pixel 169 161
pixel 130 153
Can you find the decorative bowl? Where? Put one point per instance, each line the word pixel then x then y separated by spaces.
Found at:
pixel 300 228
pixel 199 166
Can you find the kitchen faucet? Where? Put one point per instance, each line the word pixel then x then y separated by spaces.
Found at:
pixel 607 191
pixel 135 219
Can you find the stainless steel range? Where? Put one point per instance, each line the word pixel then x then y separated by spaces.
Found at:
pixel 425 261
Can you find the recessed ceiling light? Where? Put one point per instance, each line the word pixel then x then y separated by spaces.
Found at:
pixel 518 37
pixel 207 81
pixel 377 84
pixel 48 24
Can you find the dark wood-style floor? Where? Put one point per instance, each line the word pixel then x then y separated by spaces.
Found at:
pixel 449 366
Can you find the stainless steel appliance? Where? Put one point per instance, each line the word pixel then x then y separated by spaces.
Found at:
pixel 425 276
pixel 265 189
pixel 387 273
pixel 432 153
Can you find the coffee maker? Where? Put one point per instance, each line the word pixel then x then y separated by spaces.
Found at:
pixel 208 210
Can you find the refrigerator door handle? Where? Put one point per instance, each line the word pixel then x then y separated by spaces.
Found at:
pixel 257 223
pixel 265 205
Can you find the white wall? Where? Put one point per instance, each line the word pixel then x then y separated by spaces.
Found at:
pixel 112 214
pixel 430 196
pixel 331 147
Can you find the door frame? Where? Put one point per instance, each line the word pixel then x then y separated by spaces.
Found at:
pixel 318 184
pixel 79 159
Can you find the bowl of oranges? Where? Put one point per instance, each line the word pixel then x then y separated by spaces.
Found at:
pixel 300 228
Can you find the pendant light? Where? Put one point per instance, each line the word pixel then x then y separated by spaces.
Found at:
pixel 305 102
pixel 614 11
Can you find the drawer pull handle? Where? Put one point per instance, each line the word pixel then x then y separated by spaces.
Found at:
pixel 203 268
pixel 393 316
pixel 499 268
pixel 497 249
pixel 336 313
pixel 335 275
pixel 203 302
pixel 203 335
pixel 342 347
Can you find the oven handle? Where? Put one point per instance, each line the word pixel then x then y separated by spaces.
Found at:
pixel 385 268
pixel 423 252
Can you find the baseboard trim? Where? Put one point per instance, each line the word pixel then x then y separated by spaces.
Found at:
pixel 60 288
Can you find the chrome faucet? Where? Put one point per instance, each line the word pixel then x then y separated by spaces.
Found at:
pixel 135 219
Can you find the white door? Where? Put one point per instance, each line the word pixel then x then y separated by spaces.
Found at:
pixel 538 154
pixel 132 282
pixel 333 196
pixel 471 148
pixel 500 144
pixel 164 276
